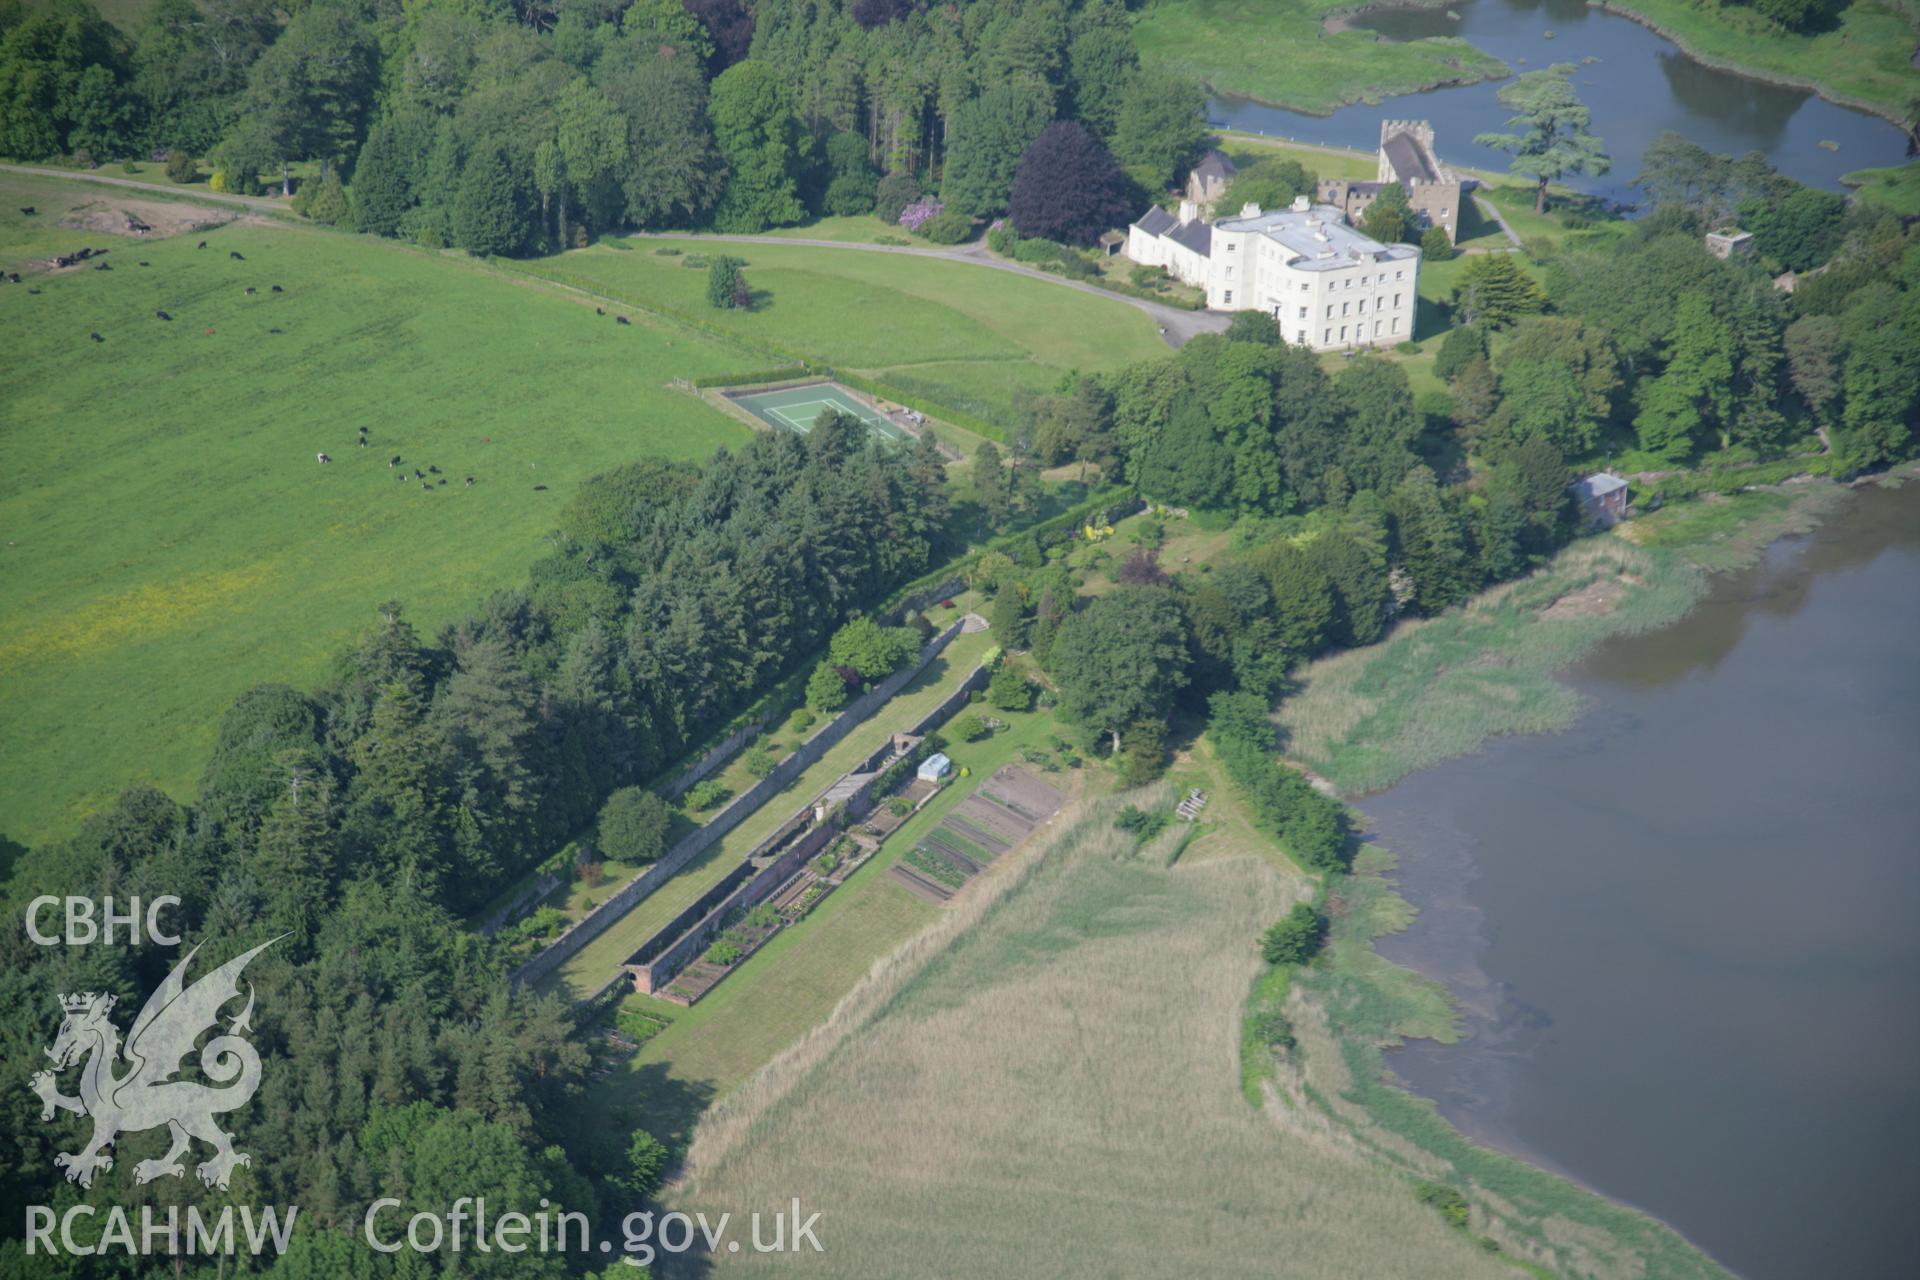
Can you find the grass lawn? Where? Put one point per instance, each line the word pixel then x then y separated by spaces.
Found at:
pixel 861 229
pixel 1276 51
pixel 1864 59
pixel 589 969
pixel 1895 189
pixel 1322 162
pixel 170 537
pixel 968 337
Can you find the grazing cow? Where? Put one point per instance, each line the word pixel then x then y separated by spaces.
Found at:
pixel 103 266
pixel 201 245
pixel 539 488
pixel 28 210
pixel 432 470
pixel 145 263
pixel 417 475
pixel 14 276
pixel 323 457
pixel 96 337
pixel 599 311
pixel 363 431
pixel 620 320
pixel 394 461
pixel 273 331
pixel 278 289
pixel 235 255
pixel 161 315
pixel 363 442
pixel 426 486
pixel 441 481
pixel 34 292
pixel 251 291
pixel 469 482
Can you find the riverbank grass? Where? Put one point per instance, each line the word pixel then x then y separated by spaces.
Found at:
pixel 1864 60
pixel 1352 1004
pixel 1278 52
pixel 1895 189
pixel 1437 688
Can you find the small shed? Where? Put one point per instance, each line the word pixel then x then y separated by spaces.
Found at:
pixel 1111 243
pixel 1731 243
pixel 1602 498
pixel 934 767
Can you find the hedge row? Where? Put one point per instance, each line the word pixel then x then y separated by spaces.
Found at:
pixel 875 387
pixel 754 377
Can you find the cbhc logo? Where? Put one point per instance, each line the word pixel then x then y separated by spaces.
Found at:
pixel 83 928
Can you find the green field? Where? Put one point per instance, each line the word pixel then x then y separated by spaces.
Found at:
pixel 1277 51
pixel 171 538
pixel 965 336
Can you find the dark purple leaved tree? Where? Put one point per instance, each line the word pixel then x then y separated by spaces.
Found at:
pixel 1068 187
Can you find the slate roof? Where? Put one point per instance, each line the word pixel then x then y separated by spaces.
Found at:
pixel 1156 221
pixel 1404 155
pixel 1197 236
pixel 1598 485
pixel 1216 164
pixel 1300 234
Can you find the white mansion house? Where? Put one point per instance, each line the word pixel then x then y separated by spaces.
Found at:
pixel 1329 286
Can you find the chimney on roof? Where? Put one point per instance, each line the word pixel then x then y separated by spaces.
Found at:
pixel 1249 210
pixel 1189 211
pixel 1301 204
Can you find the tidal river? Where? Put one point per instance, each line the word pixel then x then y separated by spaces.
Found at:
pixel 1636 84
pixel 1685 933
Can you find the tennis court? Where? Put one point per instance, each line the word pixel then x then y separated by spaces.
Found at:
pixel 795 408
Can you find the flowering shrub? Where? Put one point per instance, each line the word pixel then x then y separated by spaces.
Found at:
pixel 915 215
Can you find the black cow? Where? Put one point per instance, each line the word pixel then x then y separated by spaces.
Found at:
pixel 273 331
pixel 235 255
pixel 394 461
pixel 28 210
pixel 441 481
pixel 432 470
pixel 162 315
pixel 599 311
pixel 251 291
pixel 539 488
pixel 145 263
pixel 96 337
pixel 103 266
pixel 323 457
pixel 278 289
pixel 417 475
pixel 621 320
pixel 469 482
pixel 426 486
pixel 201 245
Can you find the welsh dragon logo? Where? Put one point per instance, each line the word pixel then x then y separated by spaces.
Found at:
pixel 145 1096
